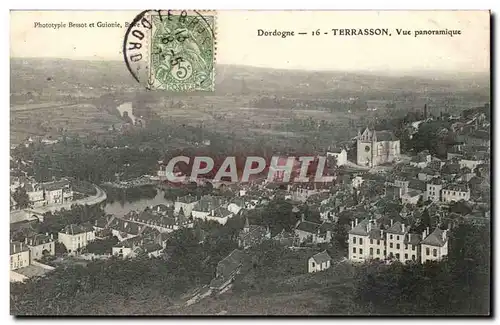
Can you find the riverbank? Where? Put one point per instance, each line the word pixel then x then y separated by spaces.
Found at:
pixel 26 214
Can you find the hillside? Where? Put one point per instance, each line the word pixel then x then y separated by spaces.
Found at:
pixel 37 74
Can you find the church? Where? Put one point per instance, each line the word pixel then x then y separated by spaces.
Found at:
pixel 376 148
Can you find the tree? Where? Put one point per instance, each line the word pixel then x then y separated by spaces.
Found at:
pixel 21 198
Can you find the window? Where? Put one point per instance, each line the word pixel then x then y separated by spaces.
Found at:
pixel 354 250
pixel 397 256
pixel 390 245
pixel 361 241
pixel 397 237
pixel 413 257
pixel 390 236
pixel 371 241
pixel 406 256
pixel 427 251
pixel 313 264
pixel 361 251
pixel 371 251
pixel 378 242
pixel 354 240
pixel 406 246
pixel 378 251
pixel 434 252
pixel 397 246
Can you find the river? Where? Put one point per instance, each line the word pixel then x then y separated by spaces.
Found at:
pixel 118 209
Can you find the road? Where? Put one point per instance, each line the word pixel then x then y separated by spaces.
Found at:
pixel 21 215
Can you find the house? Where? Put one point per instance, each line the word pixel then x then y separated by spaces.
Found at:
pixel 252 235
pixel 455 193
pixel 411 197
pixel 433 190
pixel 395 238
pixel 220 215
pixel 434 246
pixel 236 205
pixel 75 237
pixel 376 148
pixel 306 230
pixel 205 206
pixel 19 255
pixel 35 194
pixel 317 233
pixel 41 245
pixel 286 238
pixel 57 192
pixel 427 174
pixel 186 203
pixel 366 240
pixel 227 269
pixel 319 262
pixel 470 163
pixel 135 246
pixel 421 160
pixel 340 155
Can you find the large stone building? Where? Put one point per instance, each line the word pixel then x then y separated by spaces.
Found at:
pixel 376 148
pixel 367 240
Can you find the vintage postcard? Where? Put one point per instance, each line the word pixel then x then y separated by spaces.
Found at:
pixel 210 162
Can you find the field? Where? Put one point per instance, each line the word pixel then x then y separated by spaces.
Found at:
pixel 55 119
pixel 324 293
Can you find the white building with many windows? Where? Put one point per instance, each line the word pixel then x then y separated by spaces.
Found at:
pixel 455 193
pixel 368 241
pixel 75 237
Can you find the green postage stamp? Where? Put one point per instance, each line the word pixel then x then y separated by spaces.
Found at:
pixel 178 53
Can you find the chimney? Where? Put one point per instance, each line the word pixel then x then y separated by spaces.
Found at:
pixel 369 227
pixel 356 221
pixel 403 227
pixel 392 222
pixel 47 234
pixel 25 240
pixel 444 235
pixel 51 236
pixel 302 217
pixel 409 237
pixel 352 224
pixel 427 232
pixel 424 234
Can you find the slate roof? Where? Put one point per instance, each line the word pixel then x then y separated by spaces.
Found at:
pixel 435 238
pixel 321 257
pixel 413 239
pixel 308 226
pixel 17 247
pixel 456 187
pixel 361 228
pixel 77 229
pixel 417 185
pixel 39 239
pixel 397 228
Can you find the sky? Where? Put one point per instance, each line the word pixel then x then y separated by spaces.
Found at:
pixel 238 42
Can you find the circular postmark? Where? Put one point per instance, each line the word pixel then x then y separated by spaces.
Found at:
pixel 173 50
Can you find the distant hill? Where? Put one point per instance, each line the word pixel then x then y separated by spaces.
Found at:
pixel 38 74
